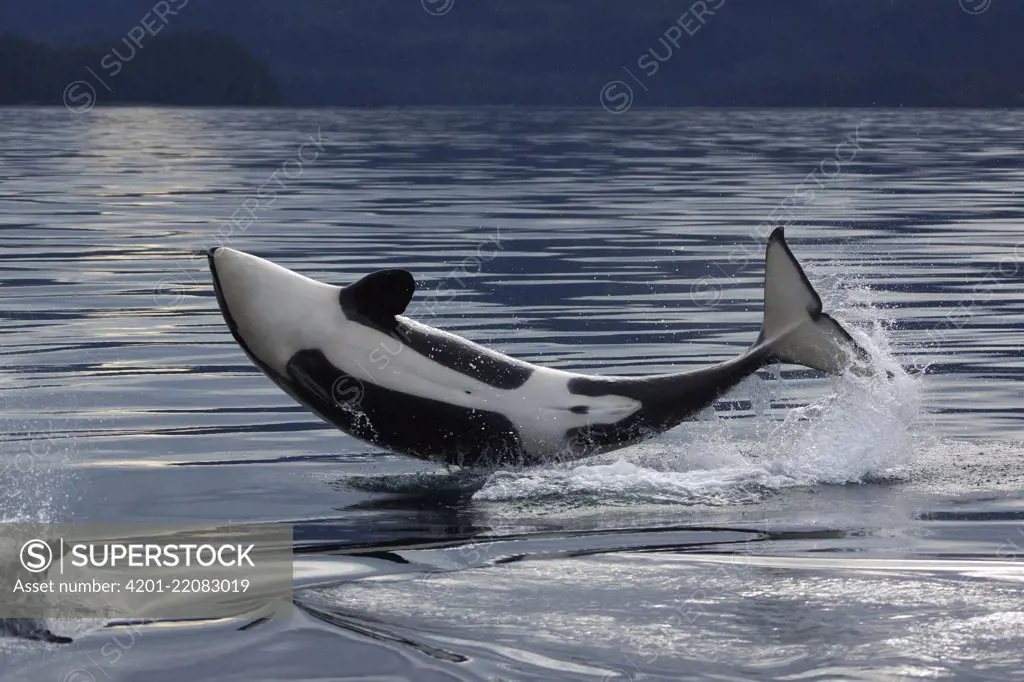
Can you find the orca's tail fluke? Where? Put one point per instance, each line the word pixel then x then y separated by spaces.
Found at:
pixel 795 328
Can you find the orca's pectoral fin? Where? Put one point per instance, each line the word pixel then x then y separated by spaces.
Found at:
pixel 33 629
pixel 380 295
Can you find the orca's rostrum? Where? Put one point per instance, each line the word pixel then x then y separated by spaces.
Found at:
pixel 349 355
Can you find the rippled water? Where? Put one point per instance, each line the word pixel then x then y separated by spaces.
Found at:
pixel 808 528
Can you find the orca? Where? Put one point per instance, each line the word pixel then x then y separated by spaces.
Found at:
pixel 32 629
pixel 348 354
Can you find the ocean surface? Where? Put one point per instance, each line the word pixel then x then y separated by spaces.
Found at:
pixel 806 528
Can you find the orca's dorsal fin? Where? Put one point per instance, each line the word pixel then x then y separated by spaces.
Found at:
pixel 380 295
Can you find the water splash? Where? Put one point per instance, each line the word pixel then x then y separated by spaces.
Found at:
pixel 858 430
pixel 35 485
pixel 35 480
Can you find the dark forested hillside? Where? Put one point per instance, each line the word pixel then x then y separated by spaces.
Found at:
pixel 553 52
pixel 188 68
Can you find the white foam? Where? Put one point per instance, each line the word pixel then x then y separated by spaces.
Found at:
pixel 858 430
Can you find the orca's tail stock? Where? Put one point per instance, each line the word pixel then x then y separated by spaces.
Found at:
pixel 795 328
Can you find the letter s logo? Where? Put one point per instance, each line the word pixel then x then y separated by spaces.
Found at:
pixel 36 556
